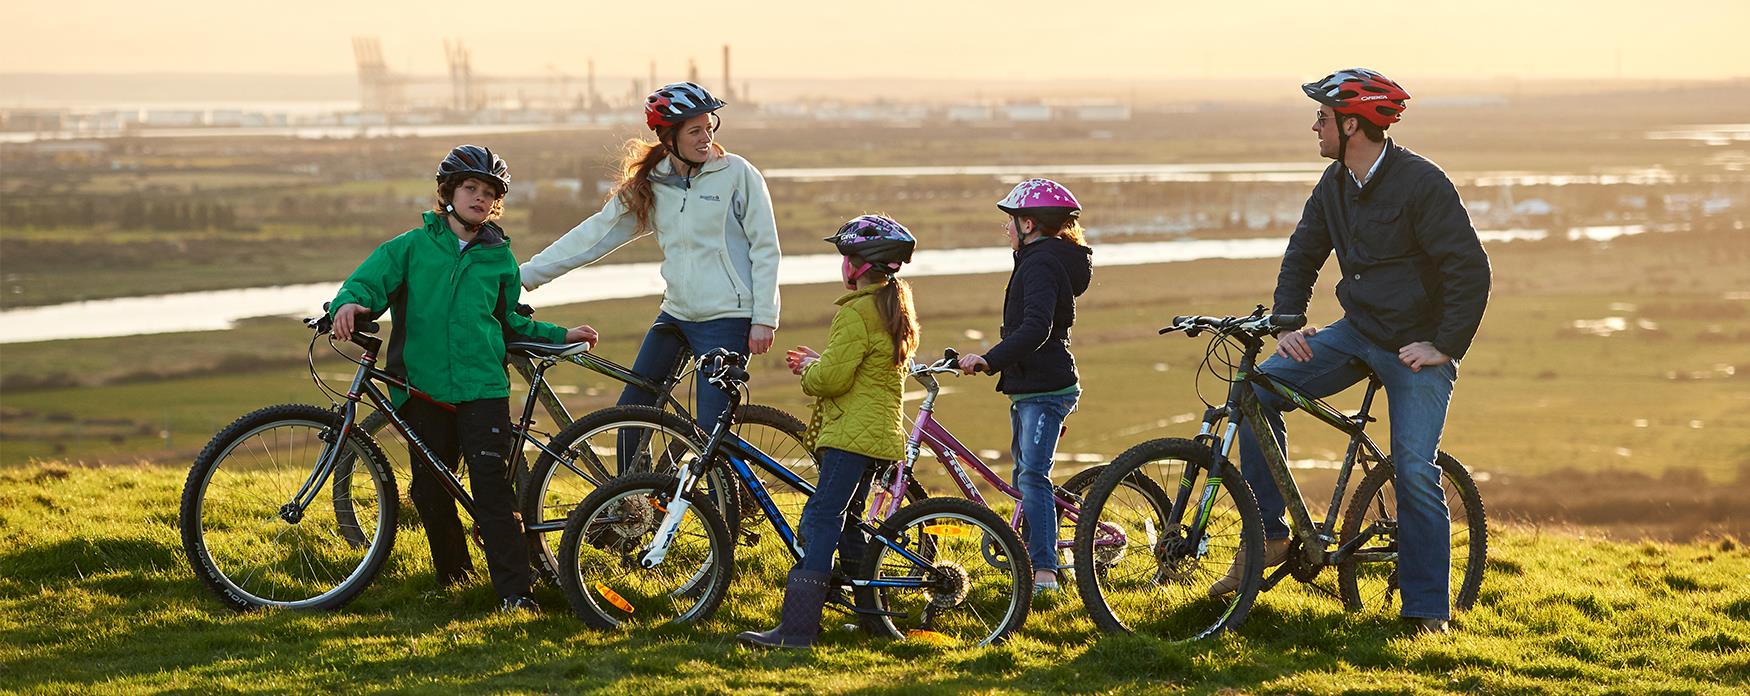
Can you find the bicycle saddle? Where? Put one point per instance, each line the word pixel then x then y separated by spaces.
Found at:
pixel 546 350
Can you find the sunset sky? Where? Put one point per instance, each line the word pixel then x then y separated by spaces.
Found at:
pixel 1116 39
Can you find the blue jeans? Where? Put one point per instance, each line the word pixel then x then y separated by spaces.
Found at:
pixel 1036 423
pixel 829 518
pixel 1417 403
pixel 660 352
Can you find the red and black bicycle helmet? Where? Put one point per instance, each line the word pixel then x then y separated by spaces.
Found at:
pixel 677 102
pixel 477 162
pixel 1360 92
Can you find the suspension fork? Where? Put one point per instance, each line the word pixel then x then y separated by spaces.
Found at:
pixel 293 510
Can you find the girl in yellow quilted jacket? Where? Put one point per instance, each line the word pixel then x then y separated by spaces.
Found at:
pixel 857 383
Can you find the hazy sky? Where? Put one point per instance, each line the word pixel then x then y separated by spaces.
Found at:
pixel 1119 39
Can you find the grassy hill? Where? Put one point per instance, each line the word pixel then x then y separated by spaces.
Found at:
pixel 95 597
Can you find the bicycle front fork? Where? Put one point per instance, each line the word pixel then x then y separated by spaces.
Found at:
pixel 671 521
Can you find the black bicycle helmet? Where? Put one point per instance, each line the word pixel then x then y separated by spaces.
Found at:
pixel 478 162
pixel 677 102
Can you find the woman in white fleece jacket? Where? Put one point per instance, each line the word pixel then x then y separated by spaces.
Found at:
pixel 712 216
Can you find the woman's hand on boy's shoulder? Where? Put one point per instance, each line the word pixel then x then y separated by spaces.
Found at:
pixel 582 334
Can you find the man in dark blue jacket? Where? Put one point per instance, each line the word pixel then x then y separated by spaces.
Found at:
pixel 1415 282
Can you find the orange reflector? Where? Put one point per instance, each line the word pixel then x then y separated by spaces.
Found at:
pixel 947 530
pixel 614 598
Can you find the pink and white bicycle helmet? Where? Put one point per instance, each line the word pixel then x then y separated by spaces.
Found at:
pixel 1040 196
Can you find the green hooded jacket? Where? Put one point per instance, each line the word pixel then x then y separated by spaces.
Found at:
pixel 453 310
pixel 856 386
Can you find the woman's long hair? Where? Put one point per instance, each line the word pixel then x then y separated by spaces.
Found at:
pixel 899 316
pixel 639 158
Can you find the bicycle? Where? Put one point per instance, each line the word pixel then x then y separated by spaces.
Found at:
pixel 900 486
pixel 254 522
pixel 1160 586
pixel 647 548
pixel 554 486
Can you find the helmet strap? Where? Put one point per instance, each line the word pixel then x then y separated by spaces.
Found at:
pixel 450 209
pixel 1023 239
pixel 852 274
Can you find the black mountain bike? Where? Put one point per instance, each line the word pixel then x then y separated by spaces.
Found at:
pixel 296 506
pixel 648 548
pixel 1184 532
pixel 582 454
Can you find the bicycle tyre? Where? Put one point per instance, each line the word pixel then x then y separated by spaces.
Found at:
pixel 1172 603
pixel 209 527
pixel 779 435
pixel 553 488
pixel 954 590
pixel 618 520
pixel 1361 591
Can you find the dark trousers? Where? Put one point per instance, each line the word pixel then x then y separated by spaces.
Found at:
pixel 479 432
pixel 829 518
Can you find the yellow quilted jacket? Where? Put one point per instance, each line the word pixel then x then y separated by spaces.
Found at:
pixel 856 386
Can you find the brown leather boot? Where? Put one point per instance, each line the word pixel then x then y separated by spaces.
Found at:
pixel 1275 552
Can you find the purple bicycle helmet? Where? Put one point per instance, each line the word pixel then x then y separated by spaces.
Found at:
pixel 878 240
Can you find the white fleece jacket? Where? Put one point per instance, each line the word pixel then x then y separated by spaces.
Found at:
pixel 718 235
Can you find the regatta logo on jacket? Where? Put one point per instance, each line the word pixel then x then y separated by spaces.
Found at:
pixel 714 198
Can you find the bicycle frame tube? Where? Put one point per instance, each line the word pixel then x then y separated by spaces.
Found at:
pixel 952 454
pixel 740 454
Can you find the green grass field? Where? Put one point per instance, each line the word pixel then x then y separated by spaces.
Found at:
pixel 96 598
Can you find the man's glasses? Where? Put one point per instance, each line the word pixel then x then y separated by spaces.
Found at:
pixel 1320 121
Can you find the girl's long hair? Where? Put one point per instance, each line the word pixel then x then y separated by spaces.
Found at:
pixel 639 158
pixel 1063 227
pixel 899 316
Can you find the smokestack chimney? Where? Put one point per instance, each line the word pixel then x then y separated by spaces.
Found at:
pixel 728 86
pixel 653 84
pixel 593 103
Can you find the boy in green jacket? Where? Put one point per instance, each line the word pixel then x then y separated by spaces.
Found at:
pixel 452 284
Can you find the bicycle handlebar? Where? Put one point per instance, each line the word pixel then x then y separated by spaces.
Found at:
pixel 723 367
pixel 1256 324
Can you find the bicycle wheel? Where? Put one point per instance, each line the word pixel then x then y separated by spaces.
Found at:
pixel 1158 580
pixel 588 455
pixel 1369 578
pixel 958 592
pixel 1109 546
pixel 609 533
pixel 779 435
pixel 249 550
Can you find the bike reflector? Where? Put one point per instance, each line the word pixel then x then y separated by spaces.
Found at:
pixel 954 530
pixel 614 598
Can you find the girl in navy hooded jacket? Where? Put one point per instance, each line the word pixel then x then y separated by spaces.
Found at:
pixel 1053 265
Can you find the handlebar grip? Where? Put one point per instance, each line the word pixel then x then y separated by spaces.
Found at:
pixel 1178 319
pixel 950 354
pixel 734 374
pixel 525 310
pixel 369 327
pixel 1288 322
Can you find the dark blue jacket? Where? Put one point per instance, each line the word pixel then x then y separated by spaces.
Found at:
pixel 1038 309
pixel 1413 268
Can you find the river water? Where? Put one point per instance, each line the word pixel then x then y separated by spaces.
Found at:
pixel 217 310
